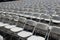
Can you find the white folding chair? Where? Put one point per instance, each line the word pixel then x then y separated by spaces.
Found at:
pixel 28 29
pixel 11 19
pixel 34 37
pixel 40 30
pixel 27 14
pixel 19 25
pixel 36 15
pixel 54 33
pixel 1 23
pixel 5 18
pixel 9 26
pixel 56 19
pixel 57 9
pixel 45 17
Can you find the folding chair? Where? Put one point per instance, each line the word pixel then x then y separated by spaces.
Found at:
pixel 54 33
pixel 34 37
pixel 45 17
pixel 5 18
pixel 28 30
pixel 21 14
pixel 16 18
pixel 40 32
pixel 28 14
pixel 19 25
pixel 36 15
pixel 56 19
pixel 9 22
pixel 57 11
pixel 30 9
pixel 41 29
pixel 2 19
pixel 11 19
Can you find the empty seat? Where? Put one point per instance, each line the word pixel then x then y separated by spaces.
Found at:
pixel 45 17
pixel 15 19
pixel 30 24
pixel 56 19
pixel 54 33
pixel 9 26
pixel 2 19
pixel 36 15
pixel 27 14
pixel 16 29
pixel 2 24
pixel 30 9
pixel 41 29
pixel 57 11
pixel 11 19
pixel 2 16
pixel 28 29
pixel 21 14
pixel 58 14
pixel 21 22
pixel 19 25
pixel 34 37
pixel 5 18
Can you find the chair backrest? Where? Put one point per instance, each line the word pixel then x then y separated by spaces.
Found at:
pixel 3 15
pixel 41 29
pixel 36 14
pixel 21 22
pixel 7 15
pixel 56 30
pixel 0 15
pixel 6 18
pixel 56 18
pixel 57 10
pixel 16 18
pixel 10 17
pixel 55 33
pixel 28 14
pixel 45 16
pixel 29 26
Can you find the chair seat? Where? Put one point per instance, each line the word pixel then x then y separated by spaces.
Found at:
pixel 27 15
pixel 5 24
pixel 1 24
pixel 24 34
pixel 56 21
pixel 16 29
pixel 1 37
pixel 10 26
pixel 35 38
pixel 36 16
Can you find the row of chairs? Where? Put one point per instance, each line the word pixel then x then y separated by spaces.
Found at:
pixel 33 5
pixel 40 16
pixel 26 28
pixel 23 6
pixel 29 24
